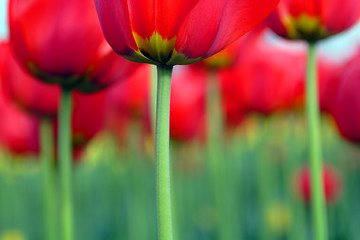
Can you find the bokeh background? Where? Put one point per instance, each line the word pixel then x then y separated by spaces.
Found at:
pixel 115 198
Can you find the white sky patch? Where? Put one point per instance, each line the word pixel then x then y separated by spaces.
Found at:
pixel 3 19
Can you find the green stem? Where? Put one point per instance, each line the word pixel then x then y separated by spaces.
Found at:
pixel 153 95
pixel 297 229
pixel 216 161
pixel 162 155
pixel 265 180
pixel 313 115
pixel 65 163
pixel 137 216
pixel 49 181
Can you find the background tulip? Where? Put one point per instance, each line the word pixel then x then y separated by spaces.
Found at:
pixel 331 184
pixel 27 91
pixel 19 132
pixel 313 20
pixel 62 43
pixel 346 108
pixel 268 75
pixel 187 107
pixel 329 81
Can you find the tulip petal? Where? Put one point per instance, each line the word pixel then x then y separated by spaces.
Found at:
pixel 37 26
pixel 214 24
pixel 115 22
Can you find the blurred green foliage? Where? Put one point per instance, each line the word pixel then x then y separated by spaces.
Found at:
pixel 115 187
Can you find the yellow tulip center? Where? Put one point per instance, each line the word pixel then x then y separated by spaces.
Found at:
pixel 305 27
pixel 157 50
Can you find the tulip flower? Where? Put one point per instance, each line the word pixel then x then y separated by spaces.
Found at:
pixel 87 120
pixel 63 44
pixel 42 99
pixel 187 112
pixel 127 102
pixel 331 184
pixel 130 97
pixel 329 80
pixel 168 33
pixel 346 104
pixel 312 21
pixel 219 66
pixel 268 76
pixel 182 32
pixel 25 90
pixel 18 131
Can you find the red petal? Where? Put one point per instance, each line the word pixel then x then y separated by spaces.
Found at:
pixel 115 22
pixel 214 24
pixel 58 38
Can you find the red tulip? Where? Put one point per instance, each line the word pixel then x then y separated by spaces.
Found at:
pixel 43 100
pixel 331 184
pixel 62 43
pixel 346 104
pixel 129 98
pixel 19 132
pixel 127 103
pixel 329 80
pixel 177 32
pixel 88 118
pixel 25 90
pixel 268 75
pixel 313 20
pixel 187 104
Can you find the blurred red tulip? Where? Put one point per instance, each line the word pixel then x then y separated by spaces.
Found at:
pixel 187 104
pixel 268 76
pixel 26 91
pixel 88 118
pixel 346 104
pixel 313 20
pixel 230 55
pixel 42 100
pixel 129 98
pixel 19 132
pixel 331 184
pixel 177 32
pixel 128 102
pixel 63 43
pixel 329 72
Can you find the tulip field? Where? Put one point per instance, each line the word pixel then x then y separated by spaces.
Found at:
pixel 179 120
pixel 115 190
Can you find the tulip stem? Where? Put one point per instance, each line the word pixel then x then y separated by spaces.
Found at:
pixel 162 153
pixel 49 180
pixel 313 116
pixel 220 183
pixel 153 96
pixel 65 163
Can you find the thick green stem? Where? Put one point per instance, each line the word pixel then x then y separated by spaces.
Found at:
pixel 49 180
pixel 162 154
pixel 313 115
pixel 65 163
